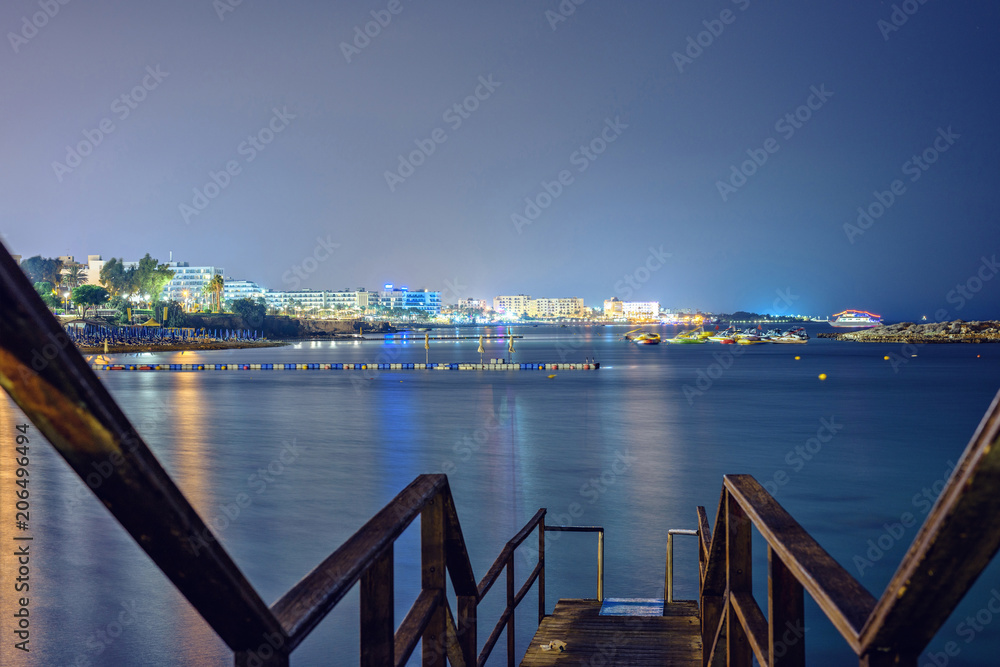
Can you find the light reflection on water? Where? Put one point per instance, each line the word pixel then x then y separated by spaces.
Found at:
pixel 350 440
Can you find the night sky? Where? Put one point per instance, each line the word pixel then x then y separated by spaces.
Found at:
pixel 702 154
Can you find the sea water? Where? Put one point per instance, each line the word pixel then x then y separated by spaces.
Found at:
pixel 634 447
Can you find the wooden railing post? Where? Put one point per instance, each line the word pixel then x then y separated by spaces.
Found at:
pixel 432 552
pixel 510 606
pixel 541 574
pixel 377 622
pixel 467 627
pixel 739 580
pixel 786 612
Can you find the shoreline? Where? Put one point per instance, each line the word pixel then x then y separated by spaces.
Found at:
pixel 935 333
pixel 179 347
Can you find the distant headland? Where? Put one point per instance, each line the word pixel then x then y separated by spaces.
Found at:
pixel 937 332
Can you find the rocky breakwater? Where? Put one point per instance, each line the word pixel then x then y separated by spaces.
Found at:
pixel 937 332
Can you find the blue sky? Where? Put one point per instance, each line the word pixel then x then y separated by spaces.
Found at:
pixel 250 135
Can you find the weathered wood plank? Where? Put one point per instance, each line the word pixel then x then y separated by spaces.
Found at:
pixel 844 601
pixel 432 577
pixel 592 639
pixel 715 572
pixel 739 576
pixel 376 611
pixel 754 624
pixel 956 542
pixel 786 607
pixel 413 625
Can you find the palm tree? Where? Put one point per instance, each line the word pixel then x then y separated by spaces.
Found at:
pixel 74 276
pixel 217 284
pixel 213 289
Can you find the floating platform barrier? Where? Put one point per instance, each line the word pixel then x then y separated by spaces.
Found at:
pixel 587 366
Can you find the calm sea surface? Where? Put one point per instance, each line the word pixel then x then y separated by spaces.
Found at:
pixel 634 447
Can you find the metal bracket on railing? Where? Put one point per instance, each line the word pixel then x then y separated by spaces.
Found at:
pixel 600 550
pixel 668 584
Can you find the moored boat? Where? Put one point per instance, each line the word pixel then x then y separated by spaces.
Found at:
pixel 855 319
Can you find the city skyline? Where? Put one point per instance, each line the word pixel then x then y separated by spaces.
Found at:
pixel 734 156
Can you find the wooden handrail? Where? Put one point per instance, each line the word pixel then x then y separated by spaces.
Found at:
pixel 960 536
pixel 507 552
pixel 311 599
pixel 505 562
pixel 412 628
pixel 749 615
pixel 42 371
pixel 844 601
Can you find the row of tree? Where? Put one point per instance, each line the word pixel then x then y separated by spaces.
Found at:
pixel 145 280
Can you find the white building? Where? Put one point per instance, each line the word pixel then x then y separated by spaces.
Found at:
pixel 307 300
pixel 641 310
pixel 241 289
pixel 512 305
pixel 188 281
pixel 558 307
pixel 405 298
pixel 93 271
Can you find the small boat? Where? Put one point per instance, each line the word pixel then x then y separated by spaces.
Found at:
pixel 797 335
pixel 647 339
pixel 755 340
pixel 723 336
pixel 688 338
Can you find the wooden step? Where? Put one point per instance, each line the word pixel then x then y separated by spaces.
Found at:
pixel 673 639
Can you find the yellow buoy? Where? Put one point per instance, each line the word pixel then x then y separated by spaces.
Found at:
pixel 822 376
pixel 797 358
pixel 886 357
